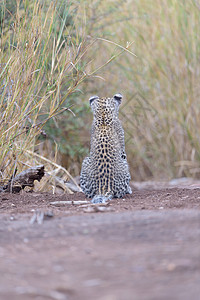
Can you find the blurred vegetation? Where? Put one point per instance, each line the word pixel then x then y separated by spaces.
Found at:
pixel 162 118
pixel 52 56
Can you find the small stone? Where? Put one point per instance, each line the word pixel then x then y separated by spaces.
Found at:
pixel 171 267
pixel 93 282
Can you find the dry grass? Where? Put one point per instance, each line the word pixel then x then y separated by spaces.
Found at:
pixel 35 61
pixel 165 139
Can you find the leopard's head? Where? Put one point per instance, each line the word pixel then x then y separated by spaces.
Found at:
pixel 105 110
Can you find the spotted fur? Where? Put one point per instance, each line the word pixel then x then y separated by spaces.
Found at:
pixel 105 172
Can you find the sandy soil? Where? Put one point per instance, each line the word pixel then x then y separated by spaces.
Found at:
pixel 143 247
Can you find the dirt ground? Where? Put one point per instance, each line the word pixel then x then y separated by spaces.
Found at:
pixel 143 247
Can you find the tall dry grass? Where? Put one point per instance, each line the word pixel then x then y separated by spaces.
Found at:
pixel 165 139
pixel 35 60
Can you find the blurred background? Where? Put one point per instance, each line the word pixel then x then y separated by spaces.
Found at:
pixel 54 55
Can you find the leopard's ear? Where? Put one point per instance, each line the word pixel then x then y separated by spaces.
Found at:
pixel 118 97
pixel 93 98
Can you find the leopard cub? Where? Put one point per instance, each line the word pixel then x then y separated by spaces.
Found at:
pixel 105 172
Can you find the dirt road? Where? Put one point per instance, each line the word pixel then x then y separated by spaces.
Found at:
pixel 144 247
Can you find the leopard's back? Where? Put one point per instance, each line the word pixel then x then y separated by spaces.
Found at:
pixel 105 171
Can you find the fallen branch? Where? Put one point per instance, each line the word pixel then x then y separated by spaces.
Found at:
pixel 23 179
